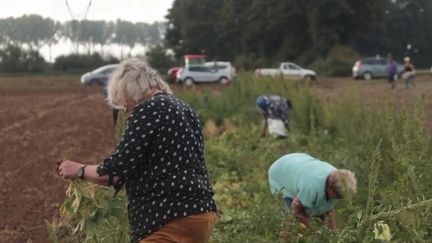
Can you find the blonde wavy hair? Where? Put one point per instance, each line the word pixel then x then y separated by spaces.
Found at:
pixel 343 182
pixel 134 80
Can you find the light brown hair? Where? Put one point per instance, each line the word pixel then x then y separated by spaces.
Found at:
pixel 134 80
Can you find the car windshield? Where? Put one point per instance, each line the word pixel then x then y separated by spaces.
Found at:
pixel 293 66
pixel 220 67
pixel 105 69
pixel 199 69
pixel 375 61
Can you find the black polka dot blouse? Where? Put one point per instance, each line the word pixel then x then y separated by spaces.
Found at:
pixel 160 160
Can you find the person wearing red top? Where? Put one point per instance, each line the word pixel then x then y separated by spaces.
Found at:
pixel 409 73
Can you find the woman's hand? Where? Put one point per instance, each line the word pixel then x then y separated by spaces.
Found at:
pixel 68 169
pixel 300 213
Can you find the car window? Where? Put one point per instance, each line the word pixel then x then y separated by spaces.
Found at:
pixel 108 70
pixel 199 69
pixel 378 61
pixel 221 66
pixel 375 61
pixel 367 61
pixel 293 67
pixel 104 69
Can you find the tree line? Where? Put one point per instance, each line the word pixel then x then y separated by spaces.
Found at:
pixel 34 31
pixel 261 32
pixel 325 34
pixel 21 39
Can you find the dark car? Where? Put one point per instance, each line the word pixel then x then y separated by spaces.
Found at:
pixel 372 67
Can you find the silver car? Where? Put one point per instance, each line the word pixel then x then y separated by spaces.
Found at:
pixel 98 76
pixel 201 73
pixel 223 65
pixel 372 67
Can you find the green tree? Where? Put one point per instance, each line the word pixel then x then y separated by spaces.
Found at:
pixel 191 26
pixel 91 33
pixel 403 23
pixel 159 59
pixel 34 30
pixel 150 34
pixel 268 30
pixel 126 33
pixel 15 59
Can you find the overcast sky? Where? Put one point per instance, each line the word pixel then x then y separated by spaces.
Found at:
pixel 132 10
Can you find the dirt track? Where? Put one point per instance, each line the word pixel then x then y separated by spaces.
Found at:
pixel 59 119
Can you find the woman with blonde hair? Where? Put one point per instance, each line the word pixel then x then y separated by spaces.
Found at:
pixel 310 187
pixel 159 160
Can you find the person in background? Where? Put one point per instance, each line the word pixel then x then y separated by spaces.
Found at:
pixel 159 160
pixel 391 71
pixel 409 73
pixel 310 187
pixel 273 107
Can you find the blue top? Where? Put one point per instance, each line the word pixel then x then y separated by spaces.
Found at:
pixel 392 68
pixel 274 106
pixel 301 175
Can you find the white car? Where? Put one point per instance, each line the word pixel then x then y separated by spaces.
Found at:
pixel 223 66
pixel 287 69
pixel 98 76
pixel 202 74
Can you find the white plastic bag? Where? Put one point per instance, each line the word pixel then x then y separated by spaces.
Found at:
pixel 276 128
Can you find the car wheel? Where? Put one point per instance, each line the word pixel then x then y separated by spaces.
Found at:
pixel 367 76
pixel 189 81
pixel 224 80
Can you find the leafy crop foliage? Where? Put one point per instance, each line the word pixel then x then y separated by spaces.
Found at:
pixel 386 145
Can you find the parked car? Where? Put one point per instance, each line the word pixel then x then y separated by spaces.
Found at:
pixel 222 66
pixel 98 76
pixel 172 74
pixel 287 69
pixel 190 59
pixel 373 67
pixel 201 73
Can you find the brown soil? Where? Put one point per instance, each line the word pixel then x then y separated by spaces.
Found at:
pixel 38 128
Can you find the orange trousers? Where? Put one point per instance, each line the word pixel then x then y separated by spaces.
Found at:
pixel 191 229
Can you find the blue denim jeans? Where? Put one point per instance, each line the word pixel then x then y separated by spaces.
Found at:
pixel 288 201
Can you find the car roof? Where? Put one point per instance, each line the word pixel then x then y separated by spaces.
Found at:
pixel 99 69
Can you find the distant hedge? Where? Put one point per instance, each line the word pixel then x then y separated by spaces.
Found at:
pixel 338 62
pixel 78 62
pixel 14 59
